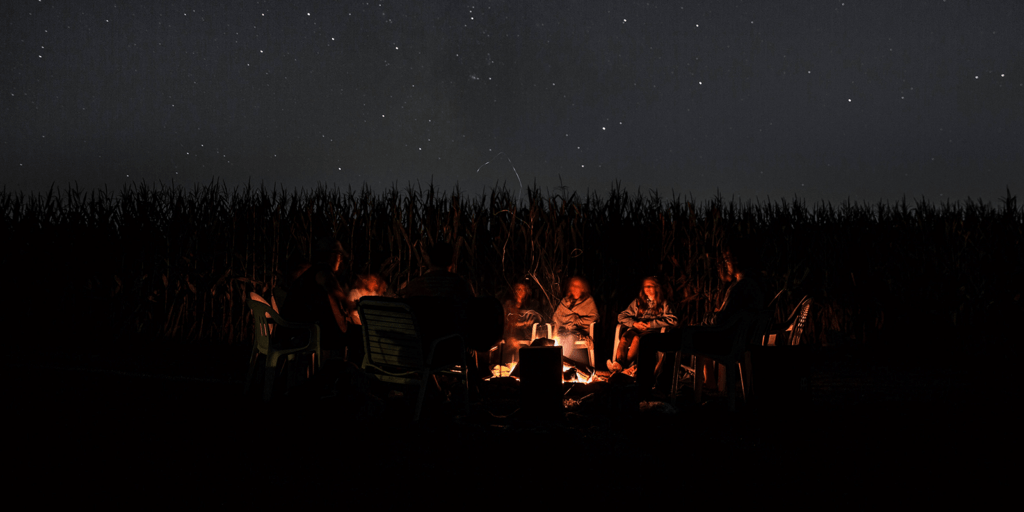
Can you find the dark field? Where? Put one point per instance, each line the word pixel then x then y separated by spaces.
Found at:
pixel 854 427
pixel 132 377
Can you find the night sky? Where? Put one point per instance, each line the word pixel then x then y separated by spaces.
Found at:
pixel 821 99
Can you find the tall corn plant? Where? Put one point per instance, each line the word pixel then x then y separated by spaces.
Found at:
pixel 176 263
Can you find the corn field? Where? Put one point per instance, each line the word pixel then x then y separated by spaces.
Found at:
pixel 176 265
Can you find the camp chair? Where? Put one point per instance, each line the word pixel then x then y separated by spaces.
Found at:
pixel 397 353
pixel 264 317
pixel 545 330
pixel 791 331
pixel 748 330
pixel 498 351
pixel 570 351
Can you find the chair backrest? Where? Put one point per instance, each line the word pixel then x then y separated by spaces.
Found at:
pixel 259 298
pixel 389 333
pixel 799 320
pixel 545 334
pixel 262 328
pixel 551 333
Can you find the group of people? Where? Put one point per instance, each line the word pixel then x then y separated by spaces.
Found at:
pixel 648 324
pixel 445 302
pixel 572 316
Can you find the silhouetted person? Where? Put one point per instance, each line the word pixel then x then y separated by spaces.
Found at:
pixel 317 296
pixel 439 280
pixel 444 304
pixel 745 296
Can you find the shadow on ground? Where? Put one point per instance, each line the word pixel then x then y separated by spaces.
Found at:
pixel 848 427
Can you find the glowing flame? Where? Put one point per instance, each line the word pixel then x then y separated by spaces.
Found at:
pixel 502 370
pixel 576 375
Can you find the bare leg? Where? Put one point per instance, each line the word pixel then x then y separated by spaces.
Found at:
pixel 710 377
pixel 634 347
pixel 621 353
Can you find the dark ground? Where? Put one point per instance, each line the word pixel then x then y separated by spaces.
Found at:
pixel 843 427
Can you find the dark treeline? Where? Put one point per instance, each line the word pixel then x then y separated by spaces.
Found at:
pixel 169 263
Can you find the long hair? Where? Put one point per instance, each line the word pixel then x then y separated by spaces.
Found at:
pixel 583 284
pixel 658 294
pixel 512 292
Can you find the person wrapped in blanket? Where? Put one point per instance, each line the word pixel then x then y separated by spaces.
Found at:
pixel 648 313
pixel 575 313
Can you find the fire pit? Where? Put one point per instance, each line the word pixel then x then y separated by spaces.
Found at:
pixel 580 351
pixel 573 371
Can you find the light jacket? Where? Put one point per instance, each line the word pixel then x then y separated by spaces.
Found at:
pixel 656 318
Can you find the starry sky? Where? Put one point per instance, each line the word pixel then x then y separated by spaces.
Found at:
pixel 826 100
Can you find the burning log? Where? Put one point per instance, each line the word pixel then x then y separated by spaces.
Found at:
pixel 574 371
pixel 568 374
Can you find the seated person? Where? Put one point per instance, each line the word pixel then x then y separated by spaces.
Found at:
pixel 575 313
pixel 365 286
pixel 520 315
pixel 647 314
pixel 479 321
pixel 439 280
pixel 317 296
pixel 745 295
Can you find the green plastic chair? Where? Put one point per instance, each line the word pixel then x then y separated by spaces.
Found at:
pixel 264 318
pixel 397 353
pixel 791 331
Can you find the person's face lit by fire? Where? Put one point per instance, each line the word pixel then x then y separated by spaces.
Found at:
pixel 650 288
pixel 521 292
pixel 334 261
pixel 576 289
pixel 375 285
pixel 328 252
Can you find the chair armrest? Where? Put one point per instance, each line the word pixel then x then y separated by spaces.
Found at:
pixel 274 352
pixel 312 327
pixel 436 342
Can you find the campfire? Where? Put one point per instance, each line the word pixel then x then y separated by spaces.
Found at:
pixel 573 371
pixel 577 373
pixel 503 370
pixel 570 372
